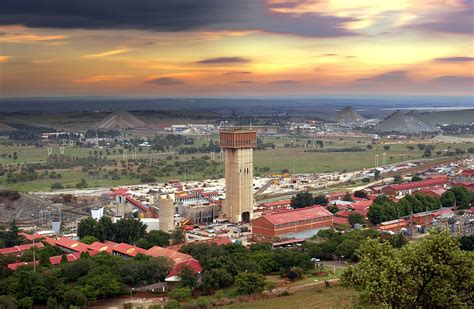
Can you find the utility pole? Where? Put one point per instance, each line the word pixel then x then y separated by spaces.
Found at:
pixel 34 253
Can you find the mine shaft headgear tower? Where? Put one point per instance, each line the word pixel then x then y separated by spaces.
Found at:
pixel 238 144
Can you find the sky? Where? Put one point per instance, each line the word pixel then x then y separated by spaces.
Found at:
pixel 236 47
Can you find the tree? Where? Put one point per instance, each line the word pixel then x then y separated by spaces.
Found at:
pixel 435 273
pixel 333 208
pixel 177 236
pixel 250 283
pixel 213 279
pixel 463 197
pixel 89 239
pixel 57 186
pixel 320 200
pixel 158 238
pixel 427 153
pixel 397 179
pixel 74 297
pixel 386 147
pixel 347 197
pixel 397 240
pixel 188 277
pixel 361 194
pixel 448 199
pixel 180 294
pixel 25 303
pixel 416 178
pixel 87 227
pixel 302 199
pixel 11 237
pixel 467 243
pixel 355 217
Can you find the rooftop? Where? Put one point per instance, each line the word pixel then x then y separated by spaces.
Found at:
pixel 295 215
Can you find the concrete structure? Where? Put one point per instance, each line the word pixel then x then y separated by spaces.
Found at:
pixel 166 208
pixel 238 147
pixel 301 223
pixel 200 213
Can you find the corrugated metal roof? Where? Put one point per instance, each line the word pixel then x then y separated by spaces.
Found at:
pixel 294 215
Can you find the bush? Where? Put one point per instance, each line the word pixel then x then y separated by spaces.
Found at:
pixel 57 186
pixel 180 294
pixel 74 298
pixel 172 304
pixel 25 303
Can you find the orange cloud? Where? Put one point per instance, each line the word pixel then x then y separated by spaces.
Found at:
pixel 106 53
pixel 100 78
pixel 4 59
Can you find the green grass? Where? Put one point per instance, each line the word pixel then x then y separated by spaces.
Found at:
pixel 276 159
pixel 318 297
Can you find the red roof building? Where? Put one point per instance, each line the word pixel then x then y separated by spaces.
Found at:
pixel 102 247
pixel 414 186
pixel 69 245
pixel 30 237
pixel 393 226
pixel 19 249
pixel 15 266
pixel 191 264
pixel 128 250
pixel 71 257
pixel 285 204
pixel 292 221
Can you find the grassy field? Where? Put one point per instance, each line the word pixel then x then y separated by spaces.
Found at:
pixel 292 159
pixel 318 297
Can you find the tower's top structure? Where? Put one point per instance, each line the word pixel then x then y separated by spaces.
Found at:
pixel 238 138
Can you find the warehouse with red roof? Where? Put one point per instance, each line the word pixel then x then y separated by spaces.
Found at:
pixel 414 186
pixel 300 223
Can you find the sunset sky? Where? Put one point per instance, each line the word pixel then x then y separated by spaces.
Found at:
pixel 236 47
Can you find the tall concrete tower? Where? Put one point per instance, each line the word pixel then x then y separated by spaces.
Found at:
pixel 238 147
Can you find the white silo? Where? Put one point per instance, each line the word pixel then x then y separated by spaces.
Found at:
pixel 166 212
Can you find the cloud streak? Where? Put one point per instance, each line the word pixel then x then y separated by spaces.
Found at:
pixel 455 59
pixel 100 78
pixel 223 60
pixel 106 53
pixel 164 81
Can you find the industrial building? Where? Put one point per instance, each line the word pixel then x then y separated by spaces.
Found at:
pixel 300 223
pixel 238 147
pixel 414 186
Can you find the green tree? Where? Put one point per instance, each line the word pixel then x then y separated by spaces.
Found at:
pixel 361 194
pixel 180 294
pixel 25 303
pixel 463 197
pixel 74 297
pixel 89 239
pixel 321 200
pixel 188 277
pixel 347 197
pixel 448 199
pixel 11 237
pixel 250 283
pixel 434 273
pixel 213 279
pixel 178 235
pixel 57 186
pixel 158 238
pixel 355 217
pixel 467 243
pixel 7 302
pixel 87 227
pixel 333 208
pixel 302 199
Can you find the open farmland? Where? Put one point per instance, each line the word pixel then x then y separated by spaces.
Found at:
pixel 317 297
pixel 289 155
